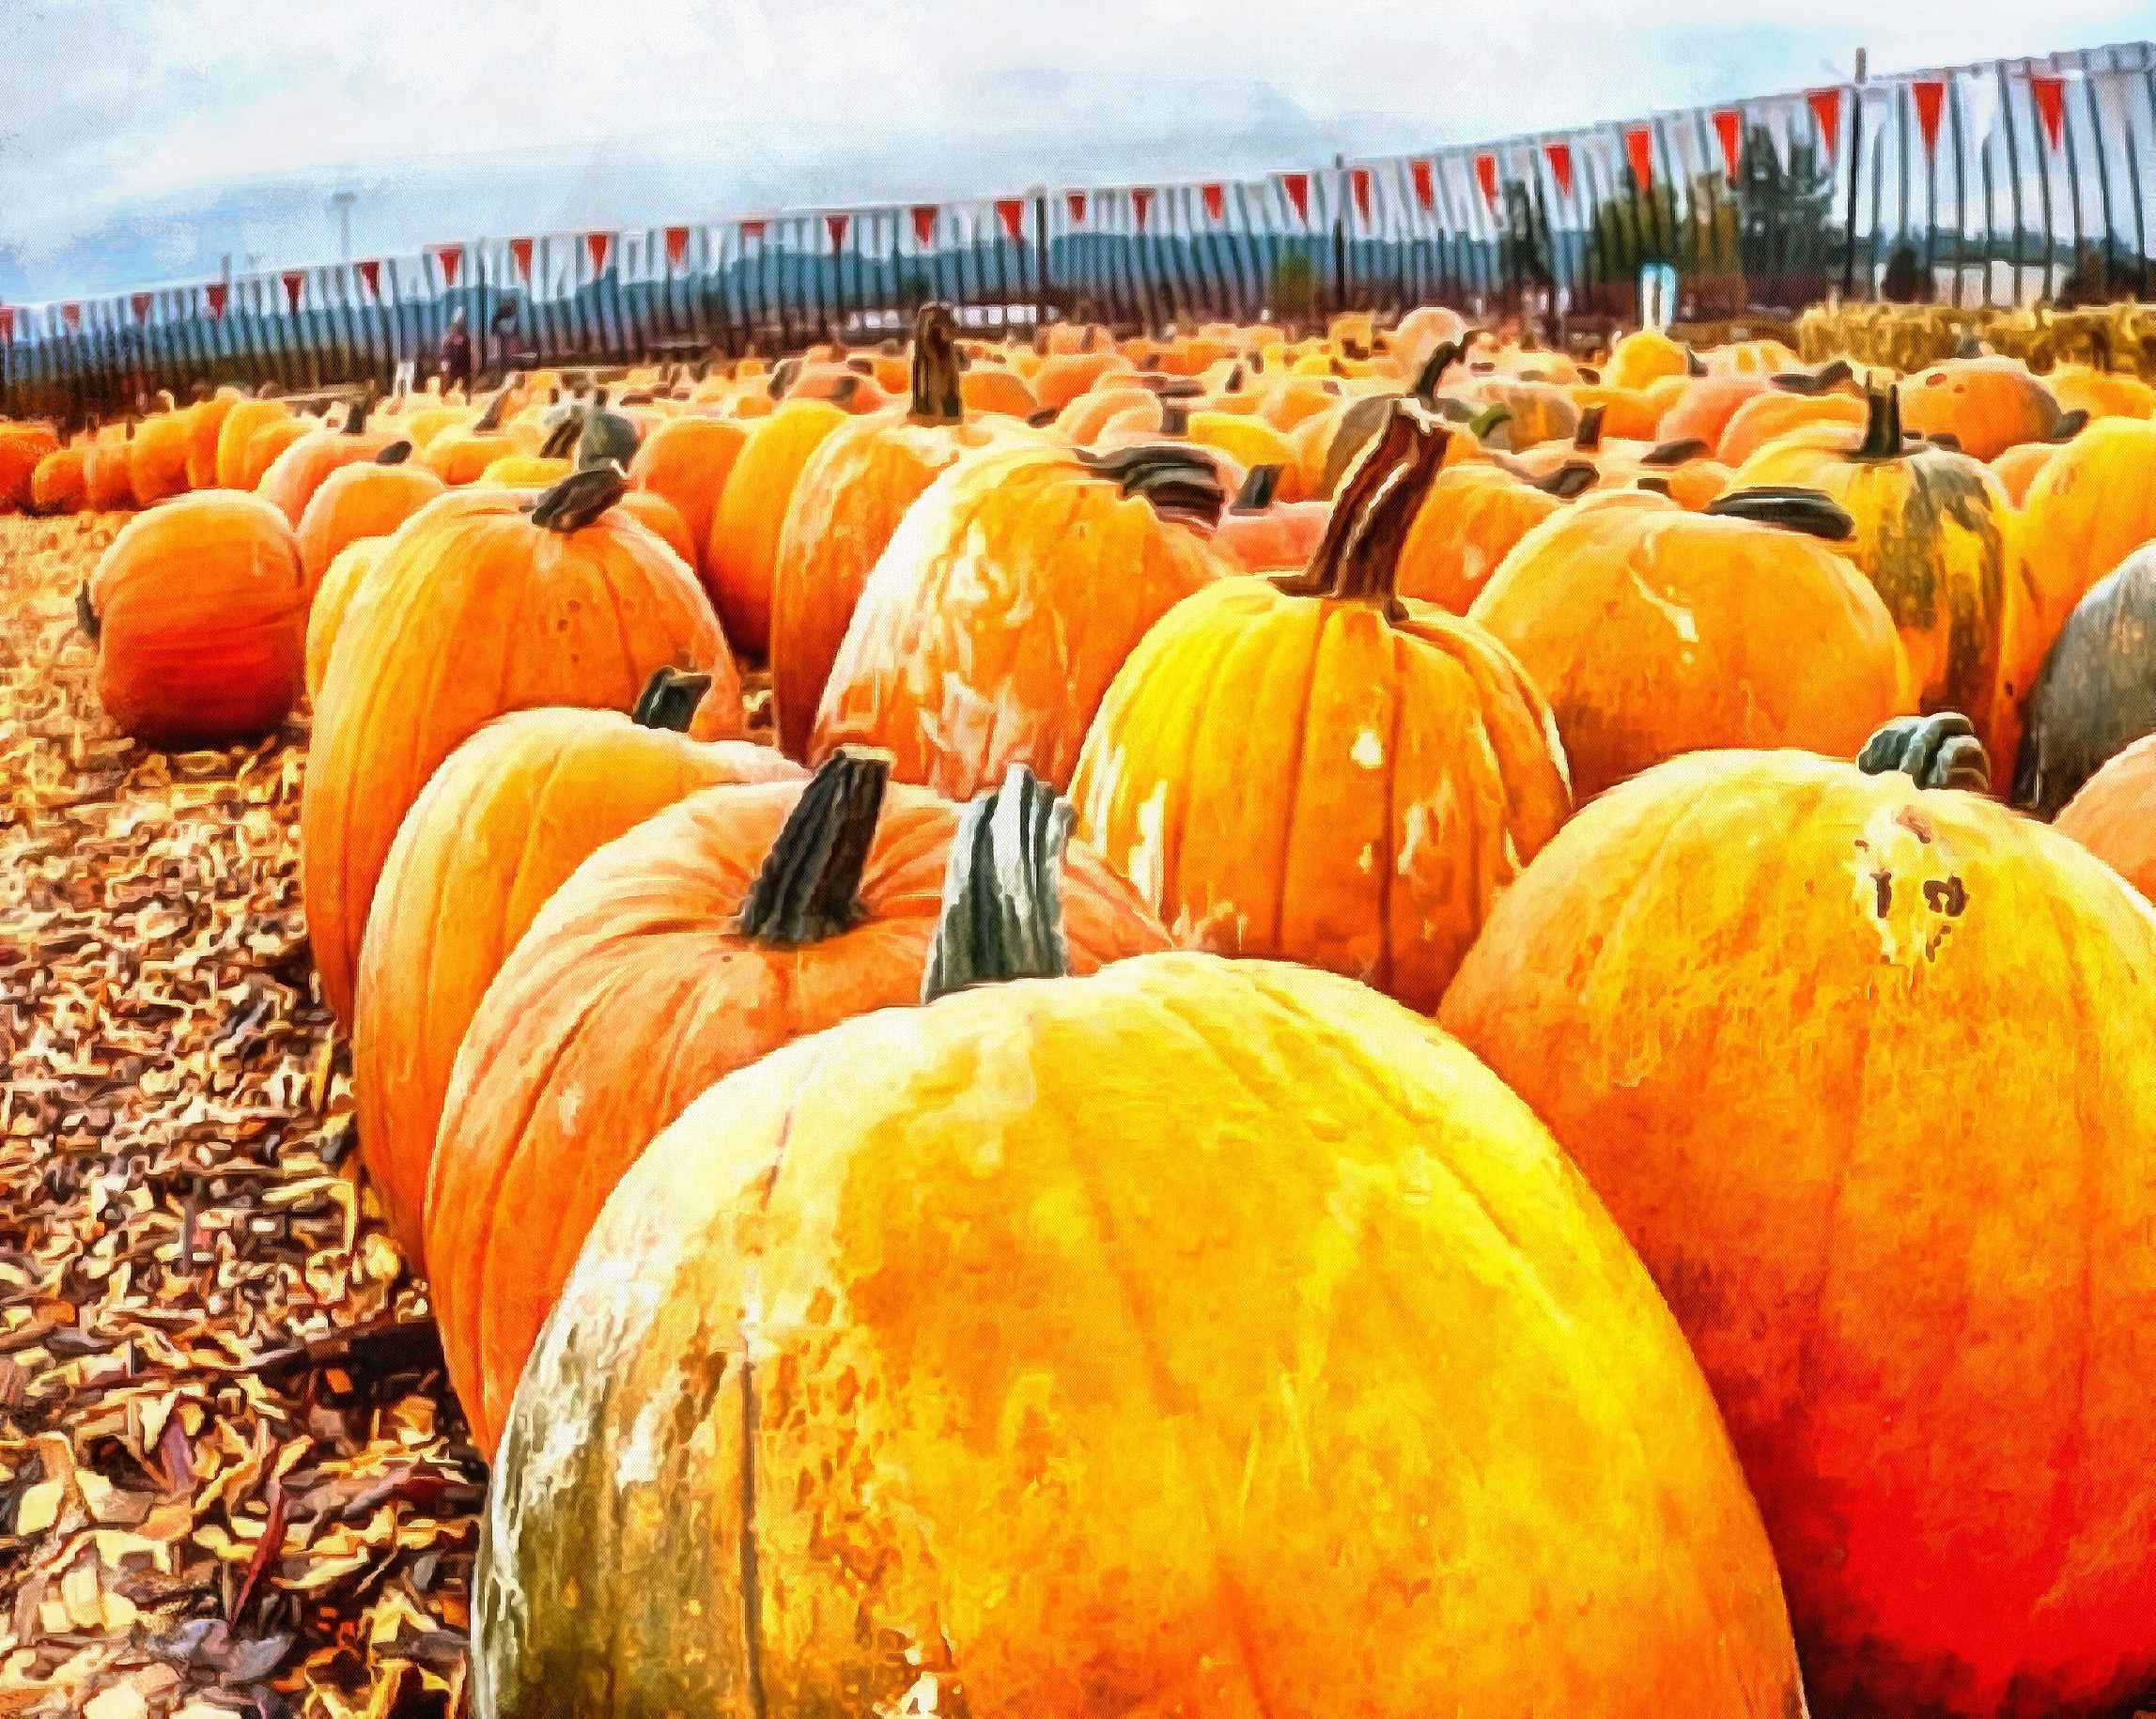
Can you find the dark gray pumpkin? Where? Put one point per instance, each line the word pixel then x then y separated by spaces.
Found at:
pixel 2096 693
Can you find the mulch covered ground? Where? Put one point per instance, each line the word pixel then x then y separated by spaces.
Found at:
pixel 232 1478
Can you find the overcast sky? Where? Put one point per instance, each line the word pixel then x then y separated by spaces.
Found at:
pixel 113 110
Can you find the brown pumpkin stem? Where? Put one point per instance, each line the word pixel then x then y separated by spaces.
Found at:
pixel 394 455
pixel 1002 892
pixel 606 435
pixel 2070 424
pixel 561 441
pixel 1576 477
pixel 810 886
pixel 1486 421
pixel 1693 364
pixel 85 614
pixel 490 420
pixel 1882 425
pixel 1587 439
pixel 1810 511
pixel 1675 453
pixel 1260 485
pixel 1178 482
pixel 1447 354
pixel 1813 384
pixel 581 498
pixel 1358 556
pixel 1940 751
pixel 670 698
pixel 936 397
pixel 355 421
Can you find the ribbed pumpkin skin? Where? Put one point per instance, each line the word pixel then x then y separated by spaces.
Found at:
pixel 2092 505
pixel 1203 1338
pixel 1770 416
pixel 1935 536
pixel 460 456
pixel 477 612
pixel 2114 815
pixel 660 517
pixel 506 819
pixel 360 500
pixel 633 992
pixel 991 627
pixel 2018 468
pixel 1466 526
pixel 743 549
pixel 236 429
pixel 2096 693
pixel 22 446
pixel 204 430
pixel 202 614
pixel 333 597
pixel 1702 410
pixel 1653 632
pixel 1986 405
pixel 686 461
pixel 1749 995
pixel 57 485
pixel 850 496
pixel 304 467
pixel 268 444
pixel 157 460
pixel 1298 777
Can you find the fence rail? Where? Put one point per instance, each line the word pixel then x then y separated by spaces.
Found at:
pixel 1993 183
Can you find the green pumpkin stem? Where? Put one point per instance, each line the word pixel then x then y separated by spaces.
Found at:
pixel 1810 511
pixel 1447 354
pixel 1260 485
pixel 670 698
pixel 394 455
pixel 85 613
pixel 1358 557
pixel 581 498
pixel 1179 482
pixel 1882 425
pixel 810 886
pixel 1002 892
pixel 1940 751
pixel 2069 424
pixel 1576 477
pixel 937 396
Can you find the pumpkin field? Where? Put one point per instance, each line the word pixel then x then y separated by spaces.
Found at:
pixel 1356 1019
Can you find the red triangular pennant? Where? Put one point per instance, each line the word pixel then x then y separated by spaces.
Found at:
pixel 2049 91
pixel 1425 178
pixel 598 247
pixel 521 255
pixel 1930 95
pixel 752 229
pixel 72 315
pixel 1729 134
pixel 1011 211
pixel 294 282
pixel 836 225
pixel 1559 156
pixel 1141 201
pixel 1639 151
pixel 451 257
pixel 924 222
pixel 1298 186
pixel 370 275
pixel 6 325
pixel 1825 106
pixel 1358 187
pixel 216 293
pixel 676 247
pixel 1487 176
pixel 1215 197
pixel 141 303
pixel 1075 202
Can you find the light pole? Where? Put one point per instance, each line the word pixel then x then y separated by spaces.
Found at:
pixel 341 202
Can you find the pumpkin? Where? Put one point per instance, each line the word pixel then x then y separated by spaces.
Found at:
pixel 718 930
pixel 204 434
pixel 236 433
pixel 108 474
pixel 1063 376
pixel 1006 600
pixel 23 448
pixel 2096 693
pixel 1704 406
pixel 848 499
pixel 1361 421
pixel 484 602
pixel 993 388
pixel 57 484
pixel 1933 535
pixel 1311 769
pixel 368 499
pixel 1644 356
pixel 1264 533
pixel 686 461
pixel 659 515
pixel 2091 506
pixel 1468 523
pixel 1091 415
pixel 2113 814
pixel 527 470
pixel 1919 1288
pixel 1250 441
pixel 1626 412
pixel 339 586
pixel 2101 394
pixel 1423 331
pixel 157 458
pixel 742 554
pixel 1751 357
pixel 501 824
pixel 199 609
pixel 1768 417
pixel 1986 405
pixel 307 464
pixel 2019 467
pixel 1199 1337
pixel 1653 632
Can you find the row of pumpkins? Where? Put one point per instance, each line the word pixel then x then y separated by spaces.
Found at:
pixel 900 1257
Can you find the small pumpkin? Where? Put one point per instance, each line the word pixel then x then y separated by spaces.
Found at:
pixel 1644 356
pixel 742 555
pixel 108 473
pixel 204 433
pixel 236 431
pixel 304 467
pixel 1986 405
pixel 57 485
pixel 686 461
pixel 367 498
pixel 2113 814
pixel 23 448
pixel 157 457
pixel 1470 519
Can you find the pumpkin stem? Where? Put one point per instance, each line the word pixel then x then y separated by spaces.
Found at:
pixel 1588 437
pixel 606 435
pixel 1940 751
pixel 1260 485
pixel 1882 425
pixel 670 698
pixel 1693 366
pixel 1449 352
pixel 394 455
pixel 355 420
pixel 935 392
pixel 1814 383
pixel 1675 453
pixel 1359 554
pixel 1486 421
pixel 581 498
pixel 1177 481
pixel 1576 477
pixel 1002 892
pixel 810 886
pixel 490 420
pixel 86 616
pixel 2070 424
pixel 1810 511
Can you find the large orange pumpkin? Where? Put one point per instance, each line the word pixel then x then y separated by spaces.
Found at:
pixel 1653 632
pixel 1197 1337
pixel 1312 768
pixel 1005 602
pixel 334 593
pixel 157 458
pixel 743 549
pixel 1986 405
pixel 1754 996
pixel 108 475
pixel 58 484
pixel 851 494
pixel 686 461
pixel 205 432
pixel 502 823
pixel 720 930
pixel 307 463
pixel 21 447
pixel 2093 504
pixel 236 429
pixel 487 601
pixel 370 499
pixel 2114 815
pixel 200 608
